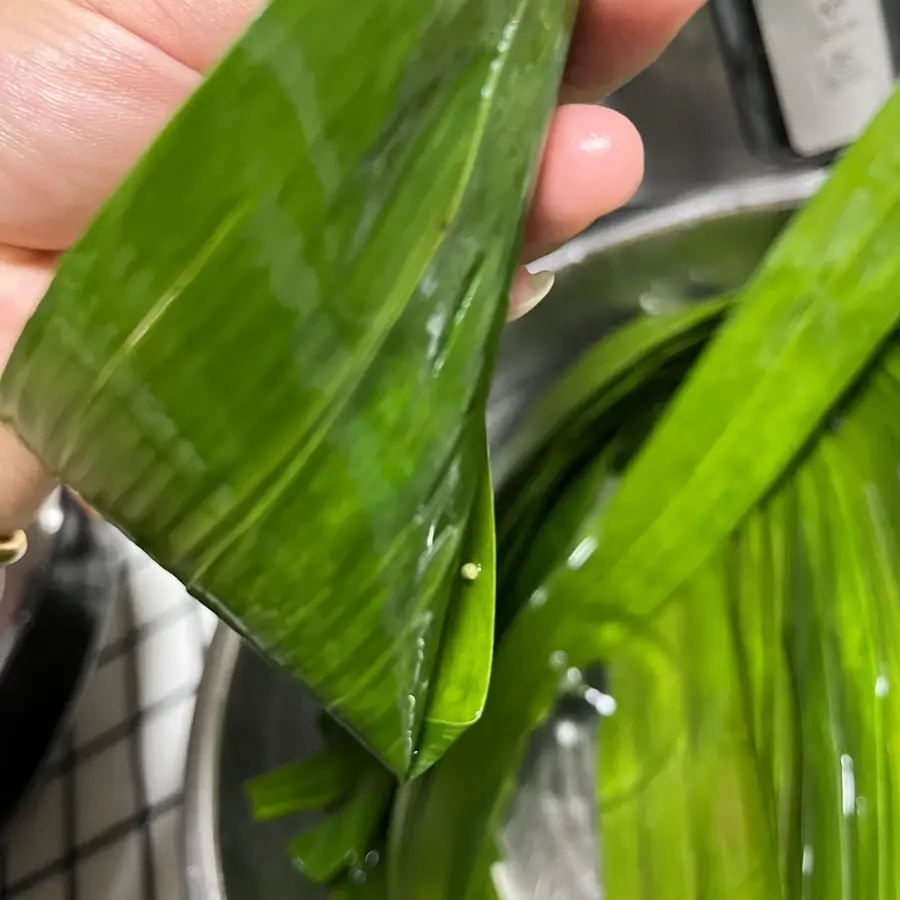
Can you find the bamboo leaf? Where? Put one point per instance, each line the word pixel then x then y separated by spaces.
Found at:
pixel 342 839
pixel 464 668
pixel 277 335
pixel 595 380
pixel 588 413
pixel 304 785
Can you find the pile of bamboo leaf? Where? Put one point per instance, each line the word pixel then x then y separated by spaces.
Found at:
pixel 268 359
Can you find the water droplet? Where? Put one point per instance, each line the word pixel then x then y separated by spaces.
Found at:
pixel 848 786
pixel 358 876
pixel 428 287
pixel 567 734
pixel 882 686
pixel 372 858
pixel 582 553
pixel 572 682
pixel 861 807
pixel 602 703
pixel 538 598
pixel 559 659
pixel 509 32
pixel 806 865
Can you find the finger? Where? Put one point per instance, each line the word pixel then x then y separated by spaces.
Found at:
pixel 81 97
pixel 25 276
pixel 593 163
pixel 24 485
pixel 195 32
pixel 615 39
pixel 85 86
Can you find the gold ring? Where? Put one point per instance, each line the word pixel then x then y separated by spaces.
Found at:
pixel 13 547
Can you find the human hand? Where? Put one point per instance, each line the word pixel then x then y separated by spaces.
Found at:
pixel 85 86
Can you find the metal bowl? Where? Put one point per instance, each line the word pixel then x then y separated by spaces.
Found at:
pixel 250 718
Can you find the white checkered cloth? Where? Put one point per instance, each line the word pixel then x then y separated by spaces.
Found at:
pixel 106 823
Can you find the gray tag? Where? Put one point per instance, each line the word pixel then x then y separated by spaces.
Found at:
pixel 832 66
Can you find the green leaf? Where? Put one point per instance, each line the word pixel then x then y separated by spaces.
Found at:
pixel 624 361
pixel 464 668
pixel 796 793
pixel 277 336
pixel 304 785
pixel 676 765
pixel 343 839
pixel 579 419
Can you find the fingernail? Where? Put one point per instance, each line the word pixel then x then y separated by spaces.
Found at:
pixel 528 289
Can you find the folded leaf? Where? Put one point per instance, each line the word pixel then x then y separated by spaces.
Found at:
pixel 266 358
pixel 463 671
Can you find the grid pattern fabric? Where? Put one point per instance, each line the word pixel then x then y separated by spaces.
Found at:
pixel 106 822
